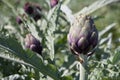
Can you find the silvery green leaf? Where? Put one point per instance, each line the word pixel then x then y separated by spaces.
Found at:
pixel 14 77
pixel 116 57
pixel 95 6
pixel 107 28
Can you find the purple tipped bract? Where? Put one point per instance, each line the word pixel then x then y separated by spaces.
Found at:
pixel 28 8
pixel 53 3
pixel 18 20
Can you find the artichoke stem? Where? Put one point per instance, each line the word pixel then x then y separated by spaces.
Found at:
pixel 83 67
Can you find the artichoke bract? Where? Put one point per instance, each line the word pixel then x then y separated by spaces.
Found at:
pixel 33 44
pixel 18 20
pixel 83 35
pixel 53 3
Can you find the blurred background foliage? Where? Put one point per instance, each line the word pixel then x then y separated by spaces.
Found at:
pixel 103 65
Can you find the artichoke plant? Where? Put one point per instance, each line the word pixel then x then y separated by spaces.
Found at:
pixel 33 44
pixel 83 35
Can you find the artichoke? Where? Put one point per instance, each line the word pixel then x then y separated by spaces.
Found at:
pixel 83 35
pixel 33 10
pixel 33 44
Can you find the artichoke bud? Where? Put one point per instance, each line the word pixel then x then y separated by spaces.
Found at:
pixel 83 35
pixel 33 44
pixel 33 10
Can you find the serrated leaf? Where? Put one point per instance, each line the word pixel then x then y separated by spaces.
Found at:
pixel 95 6
pixel 28 56
pixel 13 58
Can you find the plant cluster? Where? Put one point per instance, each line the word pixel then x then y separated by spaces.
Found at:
pixel 44 40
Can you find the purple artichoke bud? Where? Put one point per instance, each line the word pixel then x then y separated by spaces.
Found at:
pixel 33 44
pixel 53 3
pixel 18 20
pixel 83 35
pixel 29 8
pixel 33 10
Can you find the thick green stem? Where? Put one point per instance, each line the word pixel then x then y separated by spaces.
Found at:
pixel 82 68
